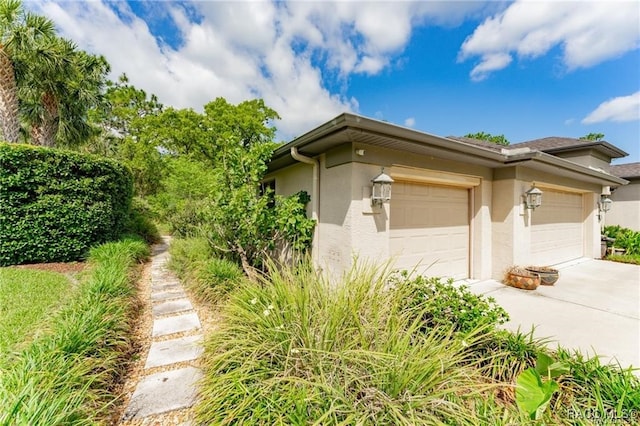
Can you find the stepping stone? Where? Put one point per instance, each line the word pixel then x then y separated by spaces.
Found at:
pixel 166 287
pixel 162 392
pixel 168 295
pixel 174 351
pixel 164 279
pixel 172 307
pixel 177 324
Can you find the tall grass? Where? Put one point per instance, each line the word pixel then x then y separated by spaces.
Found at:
pixel 27 296
pixel 65 376
pixel 296 350
pixel 209 277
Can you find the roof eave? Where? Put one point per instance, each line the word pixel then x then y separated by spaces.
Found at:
pixel 543 158
pixel 403 136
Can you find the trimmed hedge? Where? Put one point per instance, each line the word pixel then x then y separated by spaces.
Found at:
pixel 56 204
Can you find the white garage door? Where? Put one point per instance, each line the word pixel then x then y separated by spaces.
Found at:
pixel 430 229
pixel 557 231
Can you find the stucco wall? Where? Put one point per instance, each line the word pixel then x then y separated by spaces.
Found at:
pixel 504 216
pixel 625 210
pixel 350 227
pixel 587 158
pixel 335 219
pixel 512 221
pixel 292 179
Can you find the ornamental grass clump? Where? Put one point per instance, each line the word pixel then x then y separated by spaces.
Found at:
pixel 297 349
pixel 66 375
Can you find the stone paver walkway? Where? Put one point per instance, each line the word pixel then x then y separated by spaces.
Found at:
pixel 176 340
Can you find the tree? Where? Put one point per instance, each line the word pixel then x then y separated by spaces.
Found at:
pixel 123 108
pixel 216 164
pixel 56 92
pixel 593 137
pixel 126 130
pixel 21 33
pixel 497 139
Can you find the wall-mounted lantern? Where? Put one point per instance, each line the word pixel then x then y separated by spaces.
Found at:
pixel 533 198
pixel 381 191
pixel 604 205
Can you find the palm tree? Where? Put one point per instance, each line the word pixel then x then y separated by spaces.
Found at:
pixel 61 85
pixel 20 33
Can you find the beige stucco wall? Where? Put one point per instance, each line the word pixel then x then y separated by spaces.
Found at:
pixel 625 210
pixel 587 158
pixel 500 225
pixel 512 221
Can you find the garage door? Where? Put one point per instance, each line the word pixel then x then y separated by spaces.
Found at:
pixel 557 231
pixel 429 227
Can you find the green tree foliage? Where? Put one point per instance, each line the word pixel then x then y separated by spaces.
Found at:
pixel 497 139
pixel 45 81
pixel 21 34
pixel 593 137
pixel 59 86
pixel 129 132
pixel 215 167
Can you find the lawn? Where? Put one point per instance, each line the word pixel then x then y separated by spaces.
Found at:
pixel 67 374
pixel 27 299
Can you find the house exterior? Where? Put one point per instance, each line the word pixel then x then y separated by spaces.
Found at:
pixel 457 206
pixel 625 210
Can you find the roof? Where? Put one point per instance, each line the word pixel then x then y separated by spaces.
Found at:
pixel 479 142
pixel 555 144
pixel 355 129
pixel 629 170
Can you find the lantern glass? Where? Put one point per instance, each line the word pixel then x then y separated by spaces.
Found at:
pixel 605 203
pixel 381 191
pixel 533 198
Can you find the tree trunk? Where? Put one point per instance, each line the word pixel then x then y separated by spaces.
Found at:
pixel 43 133
pixel 8 99
pixel 246 266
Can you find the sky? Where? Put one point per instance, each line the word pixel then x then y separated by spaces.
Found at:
pixel 525 69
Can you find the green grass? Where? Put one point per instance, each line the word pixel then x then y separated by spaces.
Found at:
pixel 296 350
pixel 634 259
pixel 27 298
pixel 375 348
pixel 210 278
pixel 66 375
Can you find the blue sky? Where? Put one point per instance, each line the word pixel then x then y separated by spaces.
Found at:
pixel 525 69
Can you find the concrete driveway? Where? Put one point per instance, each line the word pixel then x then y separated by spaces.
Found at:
pixel 594 308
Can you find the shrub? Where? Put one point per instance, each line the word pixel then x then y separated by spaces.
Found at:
pixel 138 222
pixel 606 391
pixel 446 304
pixel 55 204
pixel 625 238
pixel 296 349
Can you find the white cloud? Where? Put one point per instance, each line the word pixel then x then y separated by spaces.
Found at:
pixel 491 62
pixel 410 122
pixel 283 52
pixel 622 108
pixel 587 32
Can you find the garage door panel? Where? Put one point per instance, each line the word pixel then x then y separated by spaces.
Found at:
pixel 430 228
pixel 557 233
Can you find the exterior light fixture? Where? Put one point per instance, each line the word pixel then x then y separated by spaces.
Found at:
pixel 533 198
pixel 604 205
pixel 381 191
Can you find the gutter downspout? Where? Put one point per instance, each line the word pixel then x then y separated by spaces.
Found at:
pixel 315 199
